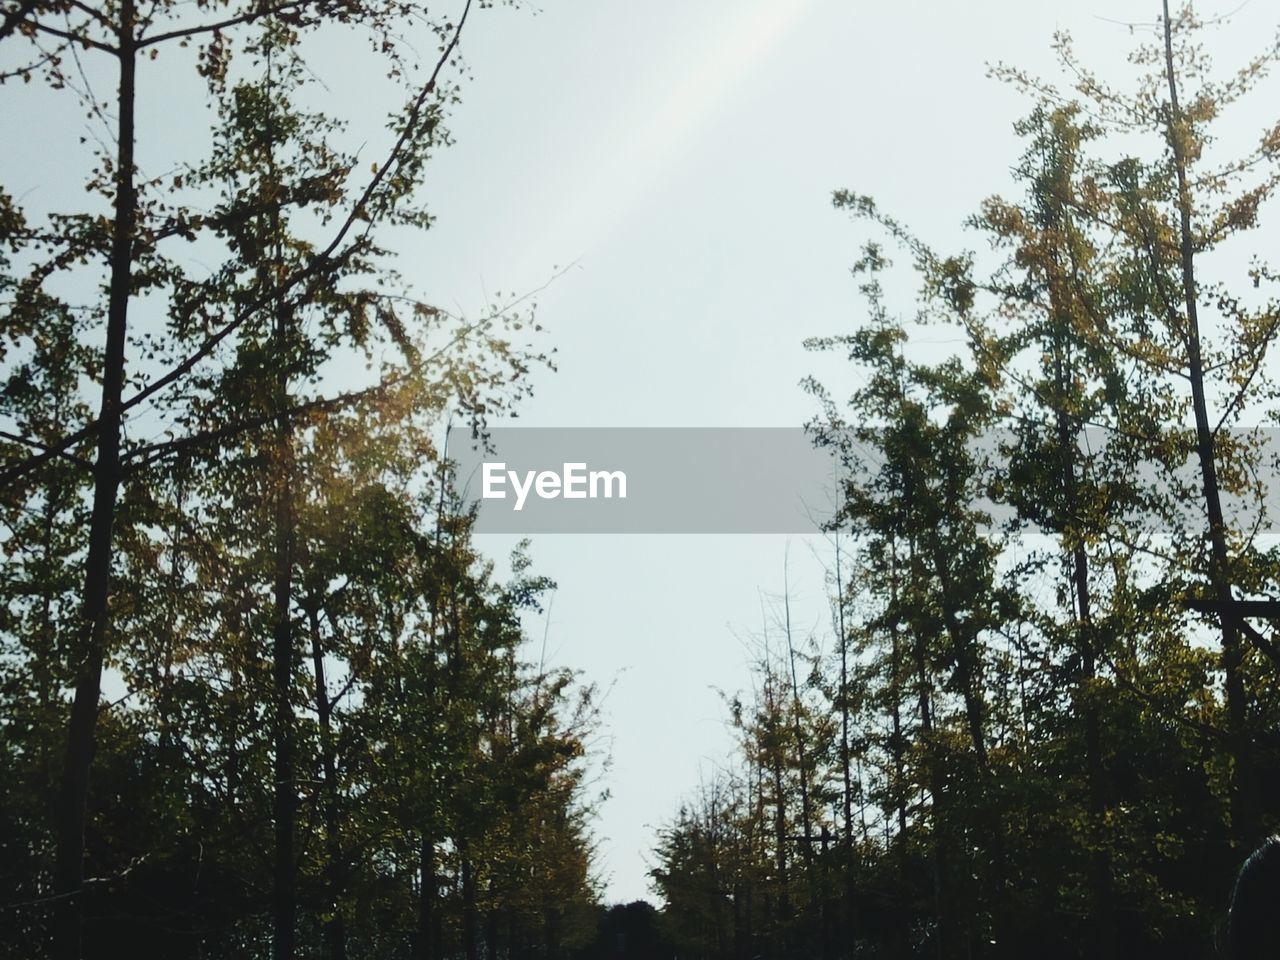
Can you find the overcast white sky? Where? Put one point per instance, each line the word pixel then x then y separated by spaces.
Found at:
pixel 682 153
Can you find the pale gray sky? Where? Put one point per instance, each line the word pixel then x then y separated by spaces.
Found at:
pixel 683 154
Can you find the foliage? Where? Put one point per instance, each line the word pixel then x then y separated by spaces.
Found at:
pixel 260 694
pixel 1060 737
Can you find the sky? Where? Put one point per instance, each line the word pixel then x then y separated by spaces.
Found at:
pixel 671 164
pixel 682 157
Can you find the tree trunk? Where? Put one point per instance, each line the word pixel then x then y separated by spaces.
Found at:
pixel 491 934
pixel 468 903
pixel 426 944
pixel 845 773
pixel 335 929
pixel 69 856
pixel 1245 804
pixel 898 748
pixel 285 910
pixel 964 645
pixel 933 777
pixel 1102 920
pixel 779 819
pixel 850 867
pixel 806 814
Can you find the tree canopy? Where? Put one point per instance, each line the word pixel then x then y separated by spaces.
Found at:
pixel 1052 665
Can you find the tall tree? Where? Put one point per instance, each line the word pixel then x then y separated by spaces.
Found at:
pixel 290 221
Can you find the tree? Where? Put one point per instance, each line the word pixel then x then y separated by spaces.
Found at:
pixel 1157 220
pixel 1065 762
pixel 230 361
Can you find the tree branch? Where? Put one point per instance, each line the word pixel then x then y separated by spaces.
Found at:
pixel 74 37
pixel 49 451
pixel 243 18
pixel 152 453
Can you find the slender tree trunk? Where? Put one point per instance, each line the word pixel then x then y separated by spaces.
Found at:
pixel 759 846
pixel 964 647
pixel 715 903
pixel 551 926
pixel 806 813
pixel 744 895
pixel 164 676
pixel 895 682
pixel 739 938
pixel 802 764
pixel 1245 806
pixel 335 934
pixel 426 946
pixel 898 747
pixel 469 946
pixel 941 849
pixel 42 664
pixel 231 740
pixel 1102 920
pixel 285 911
pixel 1104 933
pixel 469 913
pixel 428 943
pixel 491 934
pixel 284 919
pixel 774 739
pixel 779 817
pixel 933 777
pixel 70 849
pixel 846 773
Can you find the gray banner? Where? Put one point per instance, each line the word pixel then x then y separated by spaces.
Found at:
pixel 648 480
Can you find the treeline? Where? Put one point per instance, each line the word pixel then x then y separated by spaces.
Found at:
pixel 1046 724
pixel 259 694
